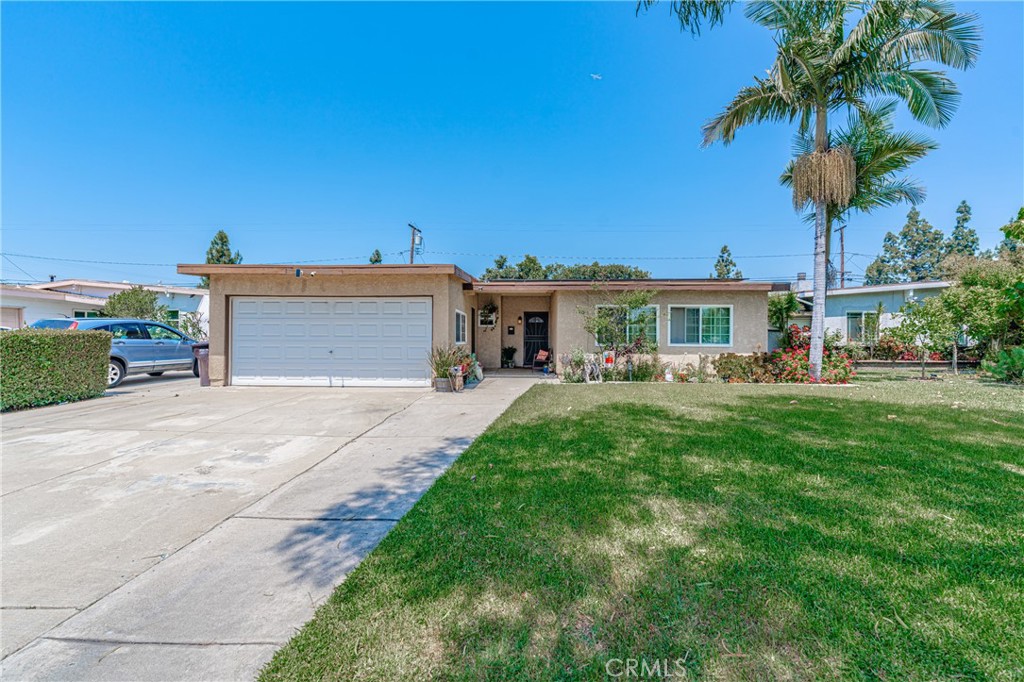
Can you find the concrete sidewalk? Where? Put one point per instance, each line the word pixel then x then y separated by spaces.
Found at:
pixel 216 607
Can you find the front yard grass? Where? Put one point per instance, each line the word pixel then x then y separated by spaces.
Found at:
pixel 750 532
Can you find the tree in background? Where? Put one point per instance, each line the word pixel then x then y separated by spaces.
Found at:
pixel 725 266
pixel 930 326
pixel 220 253
pixel 1012 246
pixel 782 307
pixel 376 258
pixel 824 64
pixel 530 268
pixel 963 241
pixel 595 271
pixel 135 303
pixel 193 325
pixel 913 255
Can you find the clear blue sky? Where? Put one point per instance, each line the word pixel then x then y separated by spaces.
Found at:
pixel 313 132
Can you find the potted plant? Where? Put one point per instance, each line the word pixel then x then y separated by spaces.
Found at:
pixel 508 356
pixel 442 360
pixel 488 314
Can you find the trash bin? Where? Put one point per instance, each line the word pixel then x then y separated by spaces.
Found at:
pixel 201 352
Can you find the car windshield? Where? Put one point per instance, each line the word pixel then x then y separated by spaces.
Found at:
pixel 52 324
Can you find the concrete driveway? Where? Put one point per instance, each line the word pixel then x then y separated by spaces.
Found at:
pixel 171 532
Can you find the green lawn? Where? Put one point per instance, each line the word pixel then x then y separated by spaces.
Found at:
pixel 752 532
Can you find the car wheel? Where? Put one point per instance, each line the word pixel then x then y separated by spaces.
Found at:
pixel 115 373
pixel 195 367
pixel 155 374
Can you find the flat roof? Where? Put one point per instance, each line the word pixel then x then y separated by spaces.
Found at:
pixel 206 269
pixel 60 284
pixel 881 288
pixel 550 286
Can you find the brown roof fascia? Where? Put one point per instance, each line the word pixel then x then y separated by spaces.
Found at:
pixel 207 269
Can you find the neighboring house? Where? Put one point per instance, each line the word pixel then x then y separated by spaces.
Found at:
pixel 852 310
pixel 177 299
pixel 358 325
pixel 22 305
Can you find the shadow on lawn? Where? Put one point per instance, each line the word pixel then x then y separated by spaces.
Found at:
pixel 819 539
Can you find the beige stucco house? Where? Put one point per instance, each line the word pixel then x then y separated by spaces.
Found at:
pixel 373 325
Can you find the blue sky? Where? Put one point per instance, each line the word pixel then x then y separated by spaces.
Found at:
pixel 315 132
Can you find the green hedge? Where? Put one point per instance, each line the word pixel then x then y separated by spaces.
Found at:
pixel 45 366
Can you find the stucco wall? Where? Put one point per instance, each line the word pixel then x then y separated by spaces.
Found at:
pixel 488 339
pixel 444 291
pixel 837 307
pixel 749 333
pixel 34 309
pixel 512 308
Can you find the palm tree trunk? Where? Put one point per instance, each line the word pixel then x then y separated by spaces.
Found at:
pixel 820 272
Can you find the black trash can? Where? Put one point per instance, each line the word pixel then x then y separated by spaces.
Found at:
pixel 201 351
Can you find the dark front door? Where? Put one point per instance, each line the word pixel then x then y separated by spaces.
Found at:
pixel 535 335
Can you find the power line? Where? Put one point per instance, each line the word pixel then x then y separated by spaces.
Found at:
pixel 168 265
pixel 619 258
pixel 6 258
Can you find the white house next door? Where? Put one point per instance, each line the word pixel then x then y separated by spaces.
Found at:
pixel 321 341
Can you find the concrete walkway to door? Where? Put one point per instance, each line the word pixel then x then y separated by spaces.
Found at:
pixel 187 534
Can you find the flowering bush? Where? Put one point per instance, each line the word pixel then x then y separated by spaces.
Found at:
pixel 890 348
pixel 793 366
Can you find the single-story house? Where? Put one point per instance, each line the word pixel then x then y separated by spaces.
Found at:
pixel 177 299
pixel 356 325
pixel 851 311
pixel 22 305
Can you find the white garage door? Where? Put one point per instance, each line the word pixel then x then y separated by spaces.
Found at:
pixel 330 341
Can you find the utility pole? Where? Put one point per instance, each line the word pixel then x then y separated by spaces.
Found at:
pixel 414 236
pixel 842 255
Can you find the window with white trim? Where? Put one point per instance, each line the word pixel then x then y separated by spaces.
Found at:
pixel 460 328
pixel 86 314
pixel 642 321
pixel 706 325
pixel 862 327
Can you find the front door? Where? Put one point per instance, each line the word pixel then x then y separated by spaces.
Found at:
pixel 535 336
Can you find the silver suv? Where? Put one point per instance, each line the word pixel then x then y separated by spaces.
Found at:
pixel 138 346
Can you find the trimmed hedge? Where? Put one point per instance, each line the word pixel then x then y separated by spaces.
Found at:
pixel 45 366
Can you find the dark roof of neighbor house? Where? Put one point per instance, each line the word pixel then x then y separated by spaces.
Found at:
pixel 324 270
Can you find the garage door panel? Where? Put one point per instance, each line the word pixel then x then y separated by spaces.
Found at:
pixel 330 341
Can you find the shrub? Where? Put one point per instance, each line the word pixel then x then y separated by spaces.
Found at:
pixel 857 351
pixel 792 366
pixel 45 366
pixel 573 365
pixel 889 347
pixel 741 369
pixel 1008 366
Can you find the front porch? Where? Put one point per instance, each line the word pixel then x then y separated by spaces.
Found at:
pixel 522 326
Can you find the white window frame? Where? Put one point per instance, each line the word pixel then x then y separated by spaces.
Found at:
pixel 86 314
pixel 863 316
pixel 460 319
pixel 700 324
pixel 657 322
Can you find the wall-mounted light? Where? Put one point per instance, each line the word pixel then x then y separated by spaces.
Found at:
pixel 519 320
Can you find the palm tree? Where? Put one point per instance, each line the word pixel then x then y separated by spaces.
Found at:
pixel 834 56
pixel 879 154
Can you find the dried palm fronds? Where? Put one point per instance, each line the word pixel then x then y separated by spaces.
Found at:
pixel 829 177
